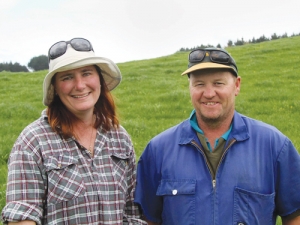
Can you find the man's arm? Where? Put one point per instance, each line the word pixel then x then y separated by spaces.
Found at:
pixel 294 221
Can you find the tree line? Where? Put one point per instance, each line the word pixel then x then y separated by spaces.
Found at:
pixel 41 62
pixel 13 67
pixel 242 41
pixel 36 64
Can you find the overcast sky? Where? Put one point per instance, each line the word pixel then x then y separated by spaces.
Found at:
pixel 126 30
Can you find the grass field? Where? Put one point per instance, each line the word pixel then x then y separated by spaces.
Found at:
pixel 153 96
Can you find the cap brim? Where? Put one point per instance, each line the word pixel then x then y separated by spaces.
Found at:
pixel 207 65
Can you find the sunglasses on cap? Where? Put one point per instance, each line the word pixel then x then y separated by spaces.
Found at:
pixel 60 48
pixel 211 55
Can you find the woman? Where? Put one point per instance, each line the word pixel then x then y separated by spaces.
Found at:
pixel 75 164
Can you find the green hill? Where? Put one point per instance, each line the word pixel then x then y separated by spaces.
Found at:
pixel 153 96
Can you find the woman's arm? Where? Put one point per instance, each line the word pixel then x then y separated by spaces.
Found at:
pixel 25 222
pixel 294 221
pixel 151 223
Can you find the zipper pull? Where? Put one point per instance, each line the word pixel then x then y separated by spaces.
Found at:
pixel 214 183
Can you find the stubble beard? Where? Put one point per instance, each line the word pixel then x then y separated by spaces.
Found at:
pixel 216 121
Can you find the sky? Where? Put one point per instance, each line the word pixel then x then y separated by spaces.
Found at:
pixel 127 30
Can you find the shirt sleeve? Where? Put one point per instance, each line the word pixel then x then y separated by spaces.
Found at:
pixel 288 182
pixel 132 214
pixel 25 188
pixel 147 184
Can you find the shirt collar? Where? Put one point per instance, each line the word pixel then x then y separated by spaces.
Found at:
pixel 194 124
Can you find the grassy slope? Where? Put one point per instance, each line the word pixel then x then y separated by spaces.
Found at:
pixel 153 96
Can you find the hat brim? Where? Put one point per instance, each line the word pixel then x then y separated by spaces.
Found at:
pixel 207 65
pixel 109 70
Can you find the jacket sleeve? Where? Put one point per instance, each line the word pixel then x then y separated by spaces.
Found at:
pixel 288 180
pixel 147 183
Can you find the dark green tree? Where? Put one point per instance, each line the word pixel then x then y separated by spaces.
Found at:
pixel 274 36
pixel 239 42
pixel 13 67
pixel 39 63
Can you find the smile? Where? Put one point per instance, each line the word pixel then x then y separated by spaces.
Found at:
pixel 210 103
pixel 80 96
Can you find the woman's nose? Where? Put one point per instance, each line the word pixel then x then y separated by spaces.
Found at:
pixel 79 83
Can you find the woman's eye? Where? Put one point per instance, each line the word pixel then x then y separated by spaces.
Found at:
pixel 66 78
pixel 86 74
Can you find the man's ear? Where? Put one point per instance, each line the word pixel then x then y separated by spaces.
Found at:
pixel 237 85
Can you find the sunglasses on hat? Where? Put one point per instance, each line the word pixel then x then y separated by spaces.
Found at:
pixel 213 55
pixel 60 48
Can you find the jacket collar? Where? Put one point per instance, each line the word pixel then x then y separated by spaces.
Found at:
pixel 239 130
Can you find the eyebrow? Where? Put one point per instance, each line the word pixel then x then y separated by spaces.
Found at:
pixel 86 70
pixel 71 73
pixel 65 75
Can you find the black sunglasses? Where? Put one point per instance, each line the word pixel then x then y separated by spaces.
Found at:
pixel 60 48
pixel 213 55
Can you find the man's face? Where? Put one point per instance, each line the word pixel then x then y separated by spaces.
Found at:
pixel 213 95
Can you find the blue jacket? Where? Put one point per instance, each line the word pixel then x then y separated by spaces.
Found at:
pixel 257 179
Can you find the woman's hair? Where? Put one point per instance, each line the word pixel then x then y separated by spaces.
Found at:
pixel 62 120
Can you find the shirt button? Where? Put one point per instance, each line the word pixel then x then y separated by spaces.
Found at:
pixel 174 192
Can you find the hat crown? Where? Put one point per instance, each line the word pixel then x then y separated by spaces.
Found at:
pixel 73 59
pixel 71 55
pixel 210 58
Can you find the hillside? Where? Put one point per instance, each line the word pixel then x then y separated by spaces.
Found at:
pixel 153 96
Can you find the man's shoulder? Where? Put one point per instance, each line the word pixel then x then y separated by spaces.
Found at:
pixel 256 126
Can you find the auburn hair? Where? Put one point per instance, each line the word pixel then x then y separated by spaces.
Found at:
pixel 62 120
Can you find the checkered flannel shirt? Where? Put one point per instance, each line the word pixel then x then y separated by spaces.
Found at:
pixel 56 181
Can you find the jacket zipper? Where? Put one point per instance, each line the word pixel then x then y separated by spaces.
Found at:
pixel 224 153
pixel 206 161
pixel 214 183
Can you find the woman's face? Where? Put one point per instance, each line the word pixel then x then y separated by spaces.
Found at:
pixel 79 89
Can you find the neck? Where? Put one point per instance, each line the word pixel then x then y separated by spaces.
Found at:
pixel 213 129
pixel 83 126
pixel 86 121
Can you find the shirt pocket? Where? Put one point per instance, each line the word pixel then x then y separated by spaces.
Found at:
pixel 120 170
pixel 178 201
pixel 253 208
pixel 64 179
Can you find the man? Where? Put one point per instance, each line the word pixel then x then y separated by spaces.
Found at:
pixel 218 167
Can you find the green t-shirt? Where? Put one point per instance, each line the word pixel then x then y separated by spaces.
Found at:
pixel 214 156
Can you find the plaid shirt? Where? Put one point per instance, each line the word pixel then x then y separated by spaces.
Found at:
pixel 58 179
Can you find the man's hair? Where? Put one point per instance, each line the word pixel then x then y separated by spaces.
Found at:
pixel 62 120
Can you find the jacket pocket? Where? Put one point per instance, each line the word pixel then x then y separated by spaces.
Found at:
pixel 253 208
pixel 178 201
pixel 64 179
